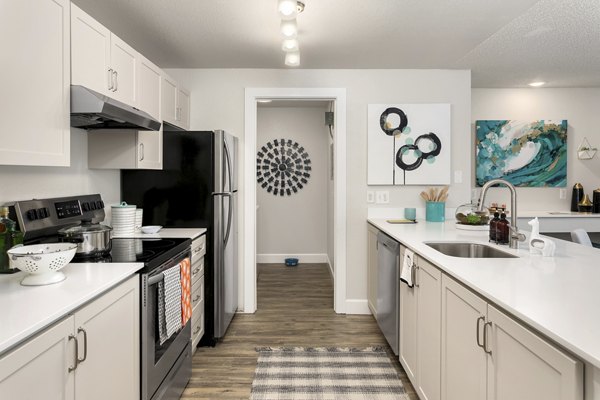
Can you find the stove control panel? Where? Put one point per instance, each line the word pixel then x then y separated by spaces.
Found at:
pixel 44 217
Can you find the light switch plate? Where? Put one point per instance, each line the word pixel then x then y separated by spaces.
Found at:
pixel 370 196
pixel 562 193
pixel 382 197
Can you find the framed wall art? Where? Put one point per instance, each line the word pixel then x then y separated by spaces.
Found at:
pixel 408 144
pixel 283 167
pixel 525 153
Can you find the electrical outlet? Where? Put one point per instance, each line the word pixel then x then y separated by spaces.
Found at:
pixel 457 176
pixel 562 193
pixel 382 197
pixel 370 196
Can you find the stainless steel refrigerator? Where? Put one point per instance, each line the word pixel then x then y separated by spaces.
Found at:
pixel 197 188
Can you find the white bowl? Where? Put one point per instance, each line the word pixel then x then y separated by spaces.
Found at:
pixel 42 261
pixel 151 229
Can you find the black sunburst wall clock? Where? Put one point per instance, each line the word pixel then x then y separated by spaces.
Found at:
pixel 282 167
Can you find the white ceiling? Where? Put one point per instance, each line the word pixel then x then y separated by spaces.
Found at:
pixel 506 43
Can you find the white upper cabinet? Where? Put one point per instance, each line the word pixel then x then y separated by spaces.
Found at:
pixel 90 53
pixel 175 103
pixel 100 60
pixel 35 107
pixel 149 87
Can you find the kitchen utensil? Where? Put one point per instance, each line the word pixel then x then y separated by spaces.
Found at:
pixel 42 261
pixel 91 239
pixel 151 229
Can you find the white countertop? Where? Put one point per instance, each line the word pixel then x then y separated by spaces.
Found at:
pixel 558 296
pixel 556 214
pixel 27 309
pixel 191 233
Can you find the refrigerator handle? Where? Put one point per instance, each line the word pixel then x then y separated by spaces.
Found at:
pixel 228 219
pixel 228 159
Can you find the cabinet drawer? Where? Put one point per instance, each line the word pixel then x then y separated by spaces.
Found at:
pixel 197 292
pixel 198 248
pixel 197 324
pixel 197 270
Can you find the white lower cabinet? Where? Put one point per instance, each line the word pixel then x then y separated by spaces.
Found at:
pixel 372 269
pixel 420 310
pixel 198 252
pixel 92 354
pixel 488 355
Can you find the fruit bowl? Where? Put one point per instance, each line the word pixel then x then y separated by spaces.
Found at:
pixel 42 262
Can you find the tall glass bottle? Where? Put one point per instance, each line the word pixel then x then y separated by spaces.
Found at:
pixel 494 227
pixel 9 237
pixel 502 230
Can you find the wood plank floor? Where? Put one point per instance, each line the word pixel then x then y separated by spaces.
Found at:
pixel 295 308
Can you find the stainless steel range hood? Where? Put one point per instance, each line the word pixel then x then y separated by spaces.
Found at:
pixel 92 110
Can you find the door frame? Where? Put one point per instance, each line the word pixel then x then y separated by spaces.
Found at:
pixel 338 96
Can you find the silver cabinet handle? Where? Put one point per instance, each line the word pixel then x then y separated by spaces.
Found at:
pixel 196 330
pixel 415 268
pixel 75 360
pixel 477 333
pixel 196 298
pixel 195 271
pixel 485 337
pixel 80 360
pixel 116 74
pixel 141 151
pixel 110 79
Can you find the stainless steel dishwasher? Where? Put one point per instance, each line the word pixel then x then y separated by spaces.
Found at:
pixel 388 299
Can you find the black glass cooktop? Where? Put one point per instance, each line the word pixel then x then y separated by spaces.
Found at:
pixel 152 252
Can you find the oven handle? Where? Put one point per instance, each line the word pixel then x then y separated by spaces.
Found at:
pixel 153 280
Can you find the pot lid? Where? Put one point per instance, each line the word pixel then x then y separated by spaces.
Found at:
pixel 86 226
pixel 124 205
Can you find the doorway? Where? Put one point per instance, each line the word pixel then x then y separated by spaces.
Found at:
pixel 338 99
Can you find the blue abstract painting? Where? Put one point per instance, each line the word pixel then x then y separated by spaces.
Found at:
pixel 525 153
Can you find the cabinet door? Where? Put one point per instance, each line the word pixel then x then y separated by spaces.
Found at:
pixel 183 103
pixel 372 268
pixel 90 52
pixel 39 369
pixel 408 327
pixel 149 149
pixel 148 87
pixel 429 281
pixel 123 60
pixel 109 329
pixel 35 81
pixel 524 366
pixel 463 361
pixel 169 100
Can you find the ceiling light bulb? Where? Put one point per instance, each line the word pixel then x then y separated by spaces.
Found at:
pixel 287 8
pixel 264 100
pixel 289 28
pixel 292 59
pixel 537 84
pixel 290 45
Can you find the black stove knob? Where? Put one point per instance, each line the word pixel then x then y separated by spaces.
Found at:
pixel 32 215
pixel 43 212
pixel 85 206
pixel 99 205
pixel 92 205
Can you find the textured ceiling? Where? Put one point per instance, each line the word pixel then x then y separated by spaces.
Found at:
pixel 506 43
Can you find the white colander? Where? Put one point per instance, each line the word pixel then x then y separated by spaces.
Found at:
pixel 42 261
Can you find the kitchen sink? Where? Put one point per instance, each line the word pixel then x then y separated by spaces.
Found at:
pixel 468 250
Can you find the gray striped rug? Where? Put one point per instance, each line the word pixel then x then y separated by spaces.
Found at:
pixel 325 373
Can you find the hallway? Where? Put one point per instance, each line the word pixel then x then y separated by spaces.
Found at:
pixel 295 308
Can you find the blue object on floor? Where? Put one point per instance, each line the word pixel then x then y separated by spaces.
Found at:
pixel 291 262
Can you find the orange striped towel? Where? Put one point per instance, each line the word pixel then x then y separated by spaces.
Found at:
pixel 186 291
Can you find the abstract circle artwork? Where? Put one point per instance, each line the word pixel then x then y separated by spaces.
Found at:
pixel 282 167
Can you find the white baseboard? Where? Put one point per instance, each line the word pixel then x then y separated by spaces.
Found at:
pixel 355 306
pixel 330 267
pixel 280 258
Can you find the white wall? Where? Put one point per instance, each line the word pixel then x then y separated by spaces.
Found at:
pixel 580 106
pixel 25 183
pixel 294 225
pixel 218 102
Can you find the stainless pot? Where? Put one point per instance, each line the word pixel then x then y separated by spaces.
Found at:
pixel 91 239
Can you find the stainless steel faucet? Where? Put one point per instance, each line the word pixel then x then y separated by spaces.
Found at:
pixel 515 235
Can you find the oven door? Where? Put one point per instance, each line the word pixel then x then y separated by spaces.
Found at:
pixel 158 360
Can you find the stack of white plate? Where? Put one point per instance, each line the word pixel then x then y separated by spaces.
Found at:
pixel 123 219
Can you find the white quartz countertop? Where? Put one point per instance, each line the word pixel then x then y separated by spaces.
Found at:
pixel 28 309
pixel 558 296
pixel 191 233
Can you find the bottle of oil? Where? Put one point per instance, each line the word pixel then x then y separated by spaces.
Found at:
pixel 9 237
